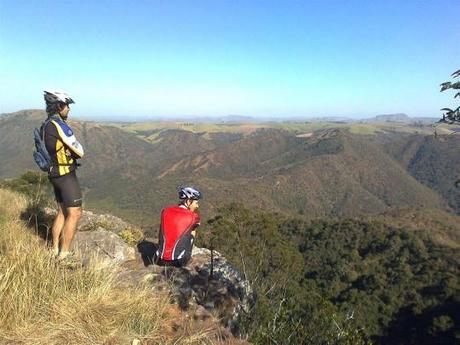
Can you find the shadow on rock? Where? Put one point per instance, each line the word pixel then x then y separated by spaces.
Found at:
pixel 147 250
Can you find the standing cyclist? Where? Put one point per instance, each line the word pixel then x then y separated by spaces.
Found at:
pixel 177 231
pixel 64 150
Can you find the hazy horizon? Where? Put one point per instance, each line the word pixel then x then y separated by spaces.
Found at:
pixel 228 117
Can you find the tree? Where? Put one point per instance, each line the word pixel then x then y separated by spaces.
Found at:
pixel 451 116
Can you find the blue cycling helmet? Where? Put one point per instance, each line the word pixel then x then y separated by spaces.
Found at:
pixel 190 193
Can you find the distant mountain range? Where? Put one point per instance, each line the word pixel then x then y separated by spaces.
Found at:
pixel 241 119
pixel 400 117
pixel 329 172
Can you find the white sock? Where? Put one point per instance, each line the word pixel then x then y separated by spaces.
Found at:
pixel 63 255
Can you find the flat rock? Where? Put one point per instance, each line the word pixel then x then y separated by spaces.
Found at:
pixel 103 247
pixel 91 221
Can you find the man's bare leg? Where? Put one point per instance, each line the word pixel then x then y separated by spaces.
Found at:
pixel 73 215
pixel 57 227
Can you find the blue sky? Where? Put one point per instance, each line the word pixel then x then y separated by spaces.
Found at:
pixel 131 59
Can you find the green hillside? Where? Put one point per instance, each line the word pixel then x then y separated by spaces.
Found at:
pixel 433 161
pixel 399 284
pixel 329 173
pixel 134 171
pixel 16 141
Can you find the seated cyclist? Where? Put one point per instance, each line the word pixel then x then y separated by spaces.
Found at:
pixel 177 231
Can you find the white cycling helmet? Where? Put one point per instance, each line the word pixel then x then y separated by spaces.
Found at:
pixel 189 193
pixel 53 97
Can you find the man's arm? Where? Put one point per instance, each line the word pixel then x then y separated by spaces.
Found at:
pixel 197 224
pixel 68 138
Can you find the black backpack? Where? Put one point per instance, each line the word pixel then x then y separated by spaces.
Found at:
pixel 41 155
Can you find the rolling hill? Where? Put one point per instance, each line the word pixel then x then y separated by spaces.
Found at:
pixel 432 160
pixel 329 172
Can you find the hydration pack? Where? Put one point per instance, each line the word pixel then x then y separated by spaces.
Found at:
pixel 41 155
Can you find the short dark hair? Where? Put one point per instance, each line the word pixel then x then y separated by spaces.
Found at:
pixel 53 108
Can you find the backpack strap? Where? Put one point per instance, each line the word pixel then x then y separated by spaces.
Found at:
pixel 42 127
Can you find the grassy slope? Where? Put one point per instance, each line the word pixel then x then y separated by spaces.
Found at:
pixel 45 303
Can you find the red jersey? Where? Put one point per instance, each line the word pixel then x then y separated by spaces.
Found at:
pixel 176 240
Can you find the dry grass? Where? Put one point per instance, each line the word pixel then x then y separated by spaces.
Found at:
pixel 42 302
pixel 11 204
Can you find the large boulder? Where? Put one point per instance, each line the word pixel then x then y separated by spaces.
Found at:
pixel 102 247
pixel 225 292
pixel 91 221
pixel 222 295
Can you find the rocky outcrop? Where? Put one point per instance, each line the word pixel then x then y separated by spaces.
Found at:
pixel 232 283
pixel 206 289
pixel 102 247
pixel 224 295
pixel 91 221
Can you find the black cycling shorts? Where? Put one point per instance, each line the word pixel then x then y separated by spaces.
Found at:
pixel 175 263
pixel 67 190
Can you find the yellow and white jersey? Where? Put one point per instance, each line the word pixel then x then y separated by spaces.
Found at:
pixel 62 146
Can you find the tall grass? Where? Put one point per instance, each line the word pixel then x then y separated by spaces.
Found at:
pixel 42 302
